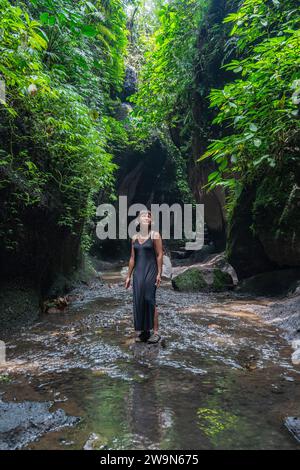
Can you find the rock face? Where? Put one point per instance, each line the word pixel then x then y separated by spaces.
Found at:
pixel 273 283
pixel 123 111
pixel 215 274
pixel 277 216
pixel 264 228
pixel 130 82
pixel 245 251
pixel 209 74
pixel 19 304
pixel 44 251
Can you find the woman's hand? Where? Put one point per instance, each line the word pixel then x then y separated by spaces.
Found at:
pixel 127 282
pixel 158 280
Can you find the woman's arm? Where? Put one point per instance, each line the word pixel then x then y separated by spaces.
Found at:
pixel 130 267
pixel 159 256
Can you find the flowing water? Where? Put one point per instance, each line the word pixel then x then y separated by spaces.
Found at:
pixel 220 379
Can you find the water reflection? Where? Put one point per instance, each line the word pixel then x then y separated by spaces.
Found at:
pixel 145 414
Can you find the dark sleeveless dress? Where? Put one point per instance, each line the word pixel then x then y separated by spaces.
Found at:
pixel 144 288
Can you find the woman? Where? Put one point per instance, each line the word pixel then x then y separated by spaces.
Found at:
pixel 146 264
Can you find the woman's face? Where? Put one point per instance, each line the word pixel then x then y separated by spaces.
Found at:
pixel 145 218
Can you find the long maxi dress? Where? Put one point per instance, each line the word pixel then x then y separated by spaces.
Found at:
pixel 144 288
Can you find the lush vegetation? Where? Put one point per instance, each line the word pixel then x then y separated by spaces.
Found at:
pixel 258 112
pixel 261 106
pixel 218 86
pixel 222 79
pixel 167 77
pixel 63 64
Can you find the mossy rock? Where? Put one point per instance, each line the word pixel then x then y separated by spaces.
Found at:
pixel 221 280
pixel 190 280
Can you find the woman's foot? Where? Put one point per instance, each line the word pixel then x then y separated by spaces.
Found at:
pixel 142 337
pixel 154 338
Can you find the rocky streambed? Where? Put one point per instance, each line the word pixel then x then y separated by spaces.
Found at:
pixel 222 378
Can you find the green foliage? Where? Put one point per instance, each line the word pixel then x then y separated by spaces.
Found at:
pixel 5 378
pixel 166 87
pixel 63 64
pixel 276 207
pixel 261 106
pixel 166 80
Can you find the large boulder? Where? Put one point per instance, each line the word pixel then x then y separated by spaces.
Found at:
pixel 189 280
pixel 215 274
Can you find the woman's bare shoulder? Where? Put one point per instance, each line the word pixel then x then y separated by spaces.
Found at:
pixel 155 235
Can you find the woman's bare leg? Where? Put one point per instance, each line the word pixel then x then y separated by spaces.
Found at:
pixel 155 320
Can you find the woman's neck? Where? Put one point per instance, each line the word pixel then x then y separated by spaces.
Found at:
pixel 145 231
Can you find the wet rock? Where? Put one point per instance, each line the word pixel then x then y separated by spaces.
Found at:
pixel 130 82
pixel 22 423
pixel 145 352
pixel 123 111
pixel 272 283
pixel 191 279
pixel 293 425
pixel 284 313
pixel 289 379
pixel 296 357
